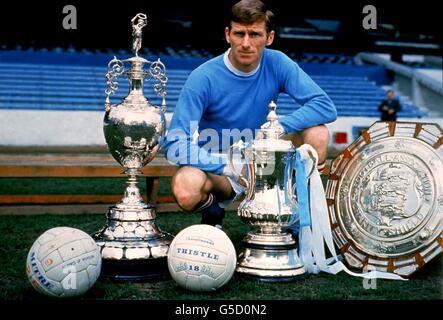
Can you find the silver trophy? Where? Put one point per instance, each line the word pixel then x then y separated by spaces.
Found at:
pixel 132 245
pixel 385 198
pixel 270 206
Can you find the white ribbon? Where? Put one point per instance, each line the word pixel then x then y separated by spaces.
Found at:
pixel 313 237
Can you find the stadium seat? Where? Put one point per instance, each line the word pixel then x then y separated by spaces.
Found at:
pixel 43 85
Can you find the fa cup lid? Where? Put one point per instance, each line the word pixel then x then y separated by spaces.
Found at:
pixel 268 138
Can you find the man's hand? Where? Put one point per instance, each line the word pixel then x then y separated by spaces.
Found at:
pixel 233 170
pixel 242 179
pixel 259 135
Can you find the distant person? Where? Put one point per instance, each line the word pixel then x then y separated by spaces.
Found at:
pixel 389 107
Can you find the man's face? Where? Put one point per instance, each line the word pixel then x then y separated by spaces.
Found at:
pixel 247 44
pixel 390 95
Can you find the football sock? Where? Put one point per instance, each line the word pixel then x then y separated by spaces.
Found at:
pixel 212 213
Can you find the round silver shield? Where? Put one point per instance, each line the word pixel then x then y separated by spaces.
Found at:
pixel 385 197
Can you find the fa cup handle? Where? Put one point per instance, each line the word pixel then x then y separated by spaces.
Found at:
pixel 312 155
pixel 241 146
pixel 115 69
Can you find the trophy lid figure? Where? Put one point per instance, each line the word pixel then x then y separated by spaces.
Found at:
pixel 137 27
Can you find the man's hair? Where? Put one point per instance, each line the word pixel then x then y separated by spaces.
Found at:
pixel 250 11
pixel 390 91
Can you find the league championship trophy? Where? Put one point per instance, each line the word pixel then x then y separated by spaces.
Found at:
pixel 270 205
pixel 132 245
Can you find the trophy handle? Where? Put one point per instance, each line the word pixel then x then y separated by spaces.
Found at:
pixel 157 70
pixel 240 145
pixel 289 184
pixel 115 69
pixel 314 157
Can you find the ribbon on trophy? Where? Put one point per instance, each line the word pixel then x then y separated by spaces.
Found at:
pixel 315 228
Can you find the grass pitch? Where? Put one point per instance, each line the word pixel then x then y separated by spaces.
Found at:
pixel 17 234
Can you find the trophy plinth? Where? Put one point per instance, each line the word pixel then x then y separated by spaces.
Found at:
pixel 270 205
pixel 132 245
pixel 270 258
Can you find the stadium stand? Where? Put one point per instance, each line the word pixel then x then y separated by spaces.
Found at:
pixel 52 80
pixel 75 81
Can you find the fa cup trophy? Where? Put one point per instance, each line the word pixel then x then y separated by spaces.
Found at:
pixel 132 245
pixel 270 206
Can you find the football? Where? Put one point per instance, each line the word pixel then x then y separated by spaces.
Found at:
pixel 63 262
pixel 202 258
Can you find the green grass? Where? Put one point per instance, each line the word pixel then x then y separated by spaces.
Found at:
pixel 17 233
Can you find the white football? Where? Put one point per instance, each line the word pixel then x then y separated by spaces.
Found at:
pixel 63 262
pixel 202 258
